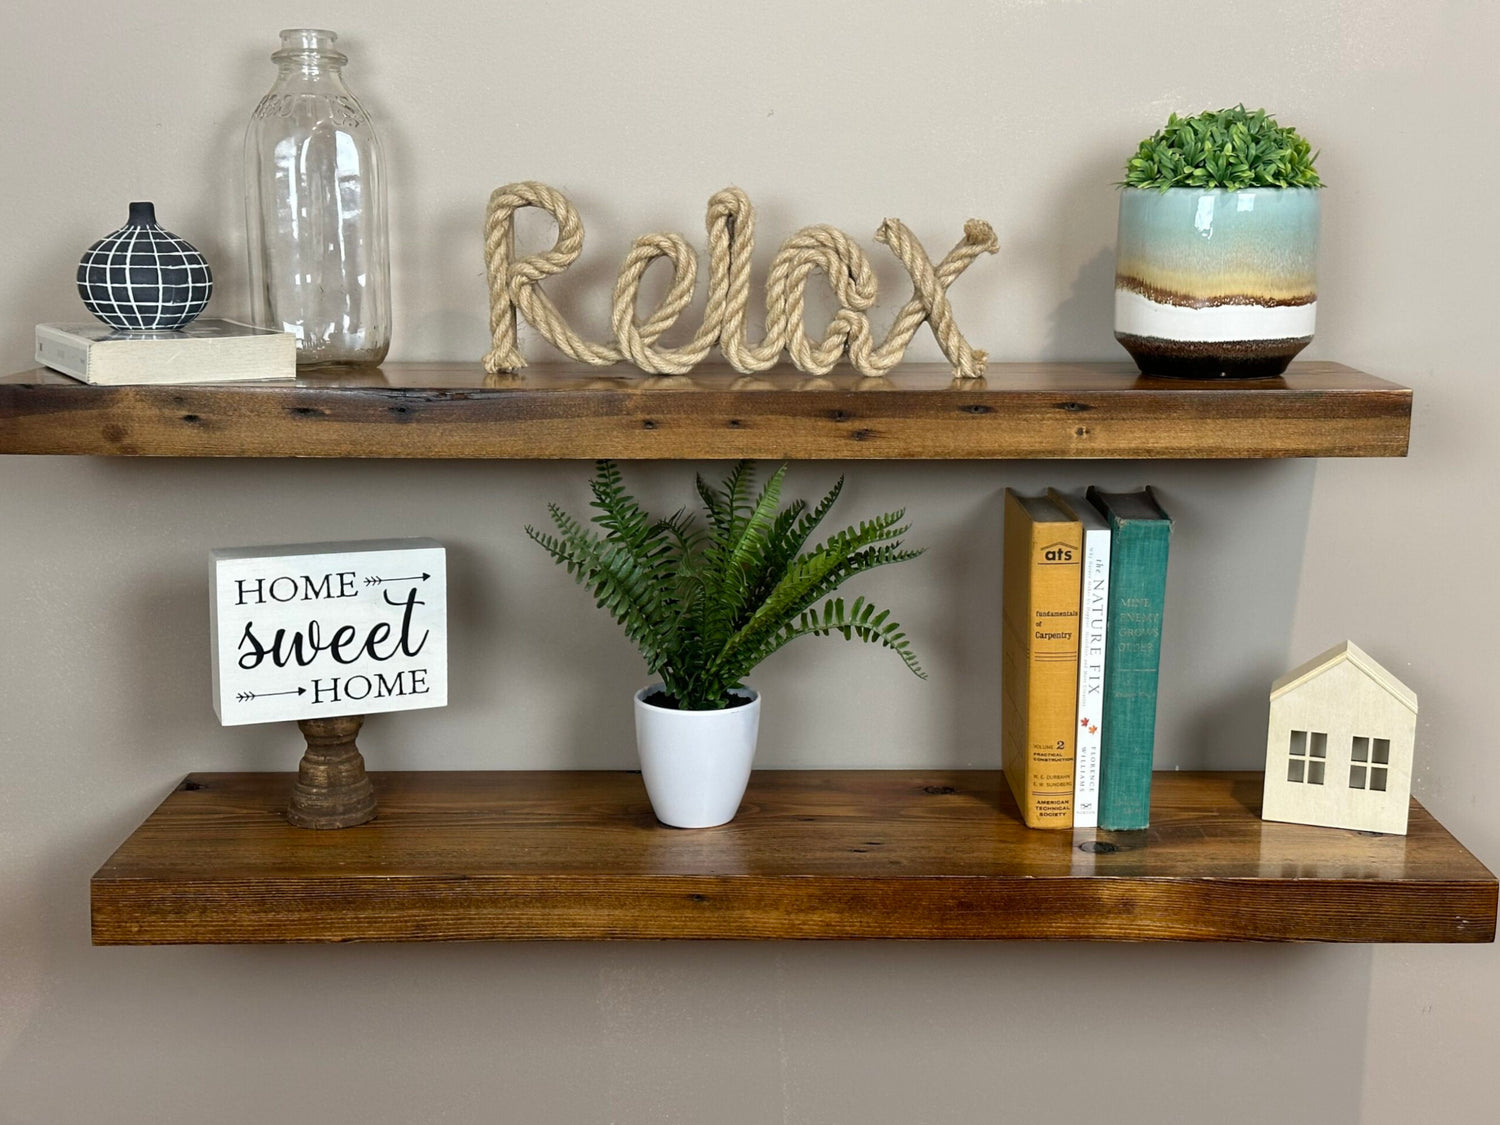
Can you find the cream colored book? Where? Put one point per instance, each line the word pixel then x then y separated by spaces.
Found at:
pixel 205 351
pixel 1093 616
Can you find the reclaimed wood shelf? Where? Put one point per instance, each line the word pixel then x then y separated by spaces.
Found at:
pixel 812 854
pixel 919 412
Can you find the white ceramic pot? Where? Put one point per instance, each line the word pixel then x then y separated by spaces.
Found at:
pixel 696 764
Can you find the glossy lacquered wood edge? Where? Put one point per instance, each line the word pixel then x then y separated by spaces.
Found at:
pixel 1033 411
pixel 757 908
pixel 133 907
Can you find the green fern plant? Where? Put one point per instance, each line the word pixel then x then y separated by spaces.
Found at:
pixel 706 604
pixel 1227 148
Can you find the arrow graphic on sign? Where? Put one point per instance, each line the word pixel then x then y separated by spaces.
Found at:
pixel 247 696
pixel 373 581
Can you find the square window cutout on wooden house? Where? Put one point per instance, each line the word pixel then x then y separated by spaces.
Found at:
pixel 1307 753
pixel 1369 761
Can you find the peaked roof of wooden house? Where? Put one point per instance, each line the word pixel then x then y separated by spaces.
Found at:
pixel 1354 655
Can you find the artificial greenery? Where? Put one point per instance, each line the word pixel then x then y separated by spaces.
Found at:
pixel 707 604
pixel 1227 148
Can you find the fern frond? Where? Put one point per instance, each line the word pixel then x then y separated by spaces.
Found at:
pixel 811 578
pixel 805 527
pixel 753 534
pixel 714 503
pixel 619 514
pixel 619 586
pixel 706 604
pixel 780 550
pixel 861 622
pixel 737 487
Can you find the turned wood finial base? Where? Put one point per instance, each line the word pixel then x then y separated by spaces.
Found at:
pixel 332 789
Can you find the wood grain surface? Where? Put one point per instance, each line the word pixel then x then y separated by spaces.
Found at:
pixel 1019 410
pixel 812 854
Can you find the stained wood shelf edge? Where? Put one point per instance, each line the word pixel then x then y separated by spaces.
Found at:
pixel 817 854
pixel 918 412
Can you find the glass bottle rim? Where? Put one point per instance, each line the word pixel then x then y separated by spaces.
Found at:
pixel 305 43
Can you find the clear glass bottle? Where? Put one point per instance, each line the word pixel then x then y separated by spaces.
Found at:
pixel 315 210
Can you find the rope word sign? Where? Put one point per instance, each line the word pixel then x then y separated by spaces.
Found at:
pixel 516 286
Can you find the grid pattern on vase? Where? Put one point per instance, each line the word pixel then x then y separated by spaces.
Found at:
pixel 142 277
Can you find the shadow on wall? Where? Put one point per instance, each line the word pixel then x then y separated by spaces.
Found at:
pixel 1082 231
pixel 1236 562
pixel 1083 325
pixel 970 571
pixel 217 217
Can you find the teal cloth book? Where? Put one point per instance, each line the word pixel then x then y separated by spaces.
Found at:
pixel 1140 533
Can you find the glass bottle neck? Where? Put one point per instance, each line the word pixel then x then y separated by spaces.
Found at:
pixel 308 66
pixel 310 52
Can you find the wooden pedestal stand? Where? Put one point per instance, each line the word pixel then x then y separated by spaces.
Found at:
pixel 332 790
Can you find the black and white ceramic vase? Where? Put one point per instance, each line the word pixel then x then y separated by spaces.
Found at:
pixel 144 278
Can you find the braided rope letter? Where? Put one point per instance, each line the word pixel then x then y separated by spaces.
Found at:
pixel 516 287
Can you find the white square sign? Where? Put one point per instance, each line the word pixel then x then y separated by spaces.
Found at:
pixel 321 629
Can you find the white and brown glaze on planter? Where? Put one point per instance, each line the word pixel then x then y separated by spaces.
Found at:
pixel 1216 283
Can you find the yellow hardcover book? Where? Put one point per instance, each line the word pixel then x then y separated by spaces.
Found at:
pixel 1039 645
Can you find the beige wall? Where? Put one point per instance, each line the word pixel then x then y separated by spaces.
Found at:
pixel 1020 111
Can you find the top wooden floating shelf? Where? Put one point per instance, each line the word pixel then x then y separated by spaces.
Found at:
pixel 919 412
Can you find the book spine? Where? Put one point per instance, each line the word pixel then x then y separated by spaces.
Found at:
pixel 1015 650
pixel 1132 654
pixel 1093 615
pixel 62 353
pixel 1040 668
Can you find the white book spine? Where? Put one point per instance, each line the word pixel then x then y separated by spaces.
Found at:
pixel 1093 616
pixel 62 352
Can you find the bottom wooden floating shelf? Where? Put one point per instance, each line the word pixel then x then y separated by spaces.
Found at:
pixel 813 854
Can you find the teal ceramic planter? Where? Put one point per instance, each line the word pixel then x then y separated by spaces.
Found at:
pixel 1216 283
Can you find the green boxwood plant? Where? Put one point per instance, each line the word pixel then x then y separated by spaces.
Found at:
pixel 1226 148
pixel 706 604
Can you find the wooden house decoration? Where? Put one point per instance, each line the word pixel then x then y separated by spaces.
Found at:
pixel 1339 747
